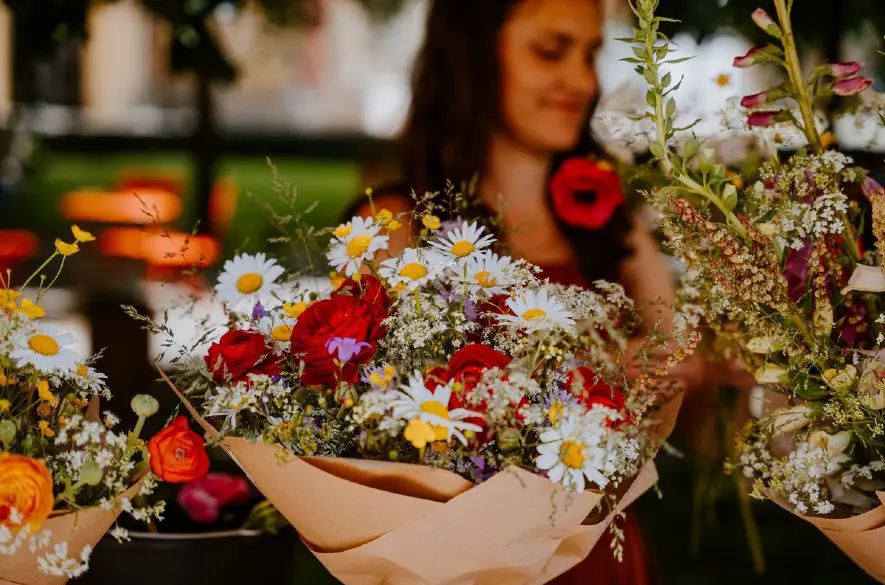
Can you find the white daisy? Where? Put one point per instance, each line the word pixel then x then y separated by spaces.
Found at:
pixel 489 273
pixel 45 348
pixel 413 268
pixel 428 413
pixel 88 379
pixel 278 323
pixel 464 243
pixel 536 310
pixel 571 452
pixel 354 243
pixel 248 280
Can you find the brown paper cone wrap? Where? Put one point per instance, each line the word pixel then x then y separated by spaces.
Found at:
pixel 860 537
pixel 78 529
pixel 377 522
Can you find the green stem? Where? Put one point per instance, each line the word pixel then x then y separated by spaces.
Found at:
pixel 43 289
pixel 133 437
pixel 36 272
pixel 794 70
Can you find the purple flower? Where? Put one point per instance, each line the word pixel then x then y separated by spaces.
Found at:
pixel 753 56
pixel 871 188
pixel 470 310
pixel 842 70
pixel 853 326
pixel 258 312
pixel 483 470
pixel 345 347
pixel 796 271
pixel 851 86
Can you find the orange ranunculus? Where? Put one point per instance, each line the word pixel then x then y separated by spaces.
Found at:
pixel 26 487
pixel 178 454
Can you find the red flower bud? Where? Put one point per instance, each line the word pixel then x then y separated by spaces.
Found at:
pixel 766 23
pixel 841 70
pixel 753 56
pixel 755 100
pixel 763 119
pixel 852 86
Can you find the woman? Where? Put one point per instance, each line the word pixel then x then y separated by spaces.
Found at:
pixel 503 92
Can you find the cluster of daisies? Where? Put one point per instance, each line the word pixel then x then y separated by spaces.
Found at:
pixel 60 451
pixel 447 353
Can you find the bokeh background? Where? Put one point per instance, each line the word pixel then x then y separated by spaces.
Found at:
pixel 183 102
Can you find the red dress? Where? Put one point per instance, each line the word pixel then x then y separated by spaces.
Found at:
pixel 601 567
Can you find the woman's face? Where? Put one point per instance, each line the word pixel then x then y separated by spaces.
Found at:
pixel 546 50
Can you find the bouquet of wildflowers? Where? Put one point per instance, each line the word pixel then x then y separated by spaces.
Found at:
pixel 427 394
pixel 65 471
pixel 780 271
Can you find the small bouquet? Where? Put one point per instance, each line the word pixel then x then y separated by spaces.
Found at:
pixel 781 272
pixel 443 395
pixel 65 472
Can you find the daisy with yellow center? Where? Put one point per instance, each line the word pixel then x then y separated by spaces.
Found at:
pixel 45 348
pixel 247 280
pixel 538 311
pixel 489 274
pixel 359 242
pixel 574 451
pixel 428 415
pixel 463 243
pixel 413 268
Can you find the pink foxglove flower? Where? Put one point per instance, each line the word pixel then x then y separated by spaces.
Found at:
pixel 851 86
pixel 753 56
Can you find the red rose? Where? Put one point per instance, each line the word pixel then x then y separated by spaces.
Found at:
pixel 178 454
pixel 469 363
pixel 203 499
pixel 239 353
pixel 581 383
pixel 585 194
pixel 467 367
pixel 354 312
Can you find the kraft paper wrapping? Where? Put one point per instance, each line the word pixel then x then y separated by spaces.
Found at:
pixel 378 522
pixel 78 529
pixel 860 537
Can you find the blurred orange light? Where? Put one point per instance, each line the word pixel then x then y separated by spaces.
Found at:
pixel 175 249
pixel 97 206
pixel 17 244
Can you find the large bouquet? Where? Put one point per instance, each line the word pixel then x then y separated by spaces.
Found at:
pixel 444 395
pixel 66 473
pixel 780 271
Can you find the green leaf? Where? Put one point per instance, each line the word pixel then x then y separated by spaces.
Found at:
pixel 689 127
pixel 730 197
pixel 657 150
pixel 765 217
pixel 706 160
pixel 692 146
pixel 650 76
pixel 631 60
pixel 650 98
pixel 676 61
pixel 639 52
pixel 666 80
pixel 671 107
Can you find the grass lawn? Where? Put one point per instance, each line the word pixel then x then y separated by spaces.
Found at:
pixel 332 183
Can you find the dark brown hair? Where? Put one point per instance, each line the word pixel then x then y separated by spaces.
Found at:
pixel 456 107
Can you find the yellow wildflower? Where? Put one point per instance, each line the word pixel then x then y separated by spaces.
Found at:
pixel 293 311
pixel 384 217
pixel 66 249
pixel 389 373
pixel 419 433
pixel 348 403
pixel 45 393
pixel 336 279
pixel 431 222
pixel 394 225
pixel 44 428
pixel 81 235
pixel 4 381
pixel 342 231
pixel 5 405
pixel 827 139
pixel 7 298
pixel 31 309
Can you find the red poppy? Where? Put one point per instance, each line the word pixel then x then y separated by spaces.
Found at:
pixel 586 194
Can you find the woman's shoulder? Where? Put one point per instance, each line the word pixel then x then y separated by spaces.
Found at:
pixel 395 197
